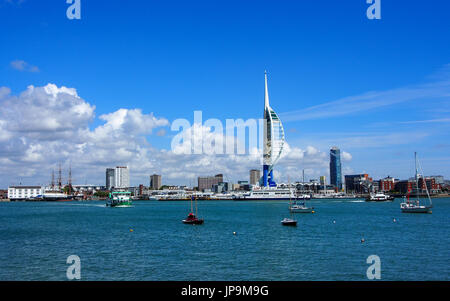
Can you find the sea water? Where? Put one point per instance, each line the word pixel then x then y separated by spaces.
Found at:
pixel 238 241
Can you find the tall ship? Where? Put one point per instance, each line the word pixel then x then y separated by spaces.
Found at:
pixel 414 206
pixel 55 193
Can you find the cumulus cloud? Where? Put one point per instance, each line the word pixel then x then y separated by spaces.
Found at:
pixel 44 126
pixel 46 112
pixel 346 156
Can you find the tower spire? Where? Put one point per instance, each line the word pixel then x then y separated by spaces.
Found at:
pixel 266 91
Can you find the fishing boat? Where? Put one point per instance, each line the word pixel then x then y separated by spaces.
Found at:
pixel 296 207
pixel 408 206
pixel 192 218
pixel 289 221
pixel 119 199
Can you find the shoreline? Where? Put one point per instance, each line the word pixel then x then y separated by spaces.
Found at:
pixel 206 200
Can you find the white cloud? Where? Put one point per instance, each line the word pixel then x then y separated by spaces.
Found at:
pixel 370 100
pixel 45 112
pixel 21 65
pixel 44 126
pixel 346 156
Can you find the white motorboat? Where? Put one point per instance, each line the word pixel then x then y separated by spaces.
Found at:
pixel 300 208
pixel 379 197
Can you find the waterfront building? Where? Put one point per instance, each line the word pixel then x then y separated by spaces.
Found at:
pixel 90 189
pixel 423 183
pixel 430 184
pixel 121 177
pixel 273 140
pixel 335 168
pixel 244 185
pixel 155 182
pixel 405 186
pixel 313 186
pixel 255 175
pixel 24 192
pixel 387 184
pixel 360 183
pixel 221 187
pixel 109 178
pixel 439 180
pixel 207 183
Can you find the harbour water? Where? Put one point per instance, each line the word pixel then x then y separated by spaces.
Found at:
pixel 37 238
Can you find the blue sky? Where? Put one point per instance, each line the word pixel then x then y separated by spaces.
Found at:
pixel 335 77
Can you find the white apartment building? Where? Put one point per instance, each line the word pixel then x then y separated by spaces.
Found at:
pixel 121 177
pixel 24 192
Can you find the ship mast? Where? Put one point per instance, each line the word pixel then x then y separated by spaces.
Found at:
pixel 59 178
pixel 70 179
pixel 53 180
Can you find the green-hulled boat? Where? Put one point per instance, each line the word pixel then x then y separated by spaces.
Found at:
pixel 119 199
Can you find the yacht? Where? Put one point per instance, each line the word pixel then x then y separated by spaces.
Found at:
pixel 408 206
pixel 289 221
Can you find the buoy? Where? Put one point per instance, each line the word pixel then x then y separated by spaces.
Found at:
pixel 312 211
pixel 234 233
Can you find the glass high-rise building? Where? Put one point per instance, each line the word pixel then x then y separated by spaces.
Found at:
pixel 109 178
pixel 335 167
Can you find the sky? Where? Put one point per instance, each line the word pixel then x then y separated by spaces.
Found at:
pixel 104 90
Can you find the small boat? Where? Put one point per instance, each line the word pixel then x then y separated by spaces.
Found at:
pixel 119 199
pixel 300 208
pixel 289 222
pixel 379 197
pixel 414 206
pixel 192 218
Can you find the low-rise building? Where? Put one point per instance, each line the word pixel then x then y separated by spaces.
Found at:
pixel 207 183
pixel 3 194
pixel 360 183
pixel 387 184
pixel 16 193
